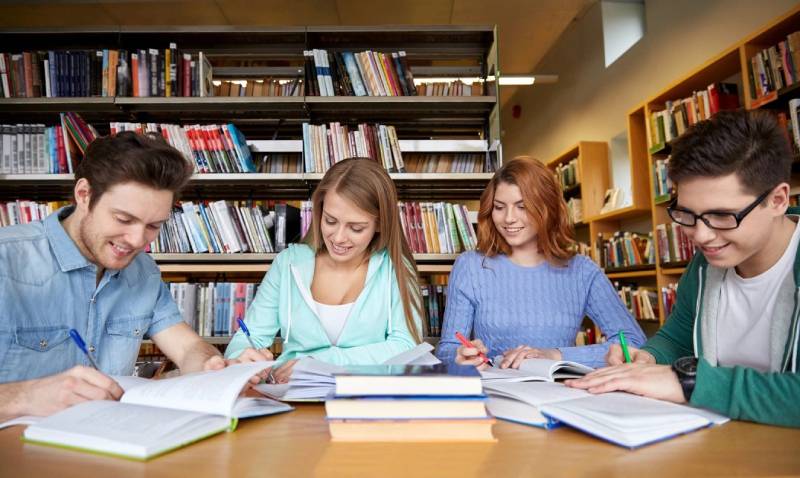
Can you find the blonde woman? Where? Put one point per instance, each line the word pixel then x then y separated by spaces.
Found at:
pixel 349 293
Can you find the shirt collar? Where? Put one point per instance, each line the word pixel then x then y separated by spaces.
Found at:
pixel 67 254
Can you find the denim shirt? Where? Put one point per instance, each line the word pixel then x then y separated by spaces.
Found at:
pixel 47 287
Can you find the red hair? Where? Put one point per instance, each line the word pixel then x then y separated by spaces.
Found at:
pixel 544 203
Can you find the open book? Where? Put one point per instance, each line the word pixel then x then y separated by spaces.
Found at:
pixel 535 369
pixel 623 419
pixel 312 380
pixel 157 416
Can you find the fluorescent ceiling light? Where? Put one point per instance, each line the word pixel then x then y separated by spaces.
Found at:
pixel 524 80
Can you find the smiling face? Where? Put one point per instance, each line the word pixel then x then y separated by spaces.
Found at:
pixel 512 219
pixel 346 229
pixel 740 247
pixel 126 218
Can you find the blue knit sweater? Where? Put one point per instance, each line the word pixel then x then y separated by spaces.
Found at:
pixel 506 305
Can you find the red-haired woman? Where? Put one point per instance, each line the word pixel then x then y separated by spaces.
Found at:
pixel 524 292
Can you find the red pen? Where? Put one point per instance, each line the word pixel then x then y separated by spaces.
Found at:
pixel 467 344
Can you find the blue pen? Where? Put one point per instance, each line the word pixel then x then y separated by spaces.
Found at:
pixel 76 337
pixel 246 333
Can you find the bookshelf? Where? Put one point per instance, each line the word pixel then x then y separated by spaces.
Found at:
pixel 730 66
pixel 272 124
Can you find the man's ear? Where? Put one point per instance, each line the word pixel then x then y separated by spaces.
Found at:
pixel 83 194
pixel 779 199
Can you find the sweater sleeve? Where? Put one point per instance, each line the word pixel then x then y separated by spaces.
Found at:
pixel 605 308
pixel 398 339
pixel 262 316
pixel 459 313
pixel 675 338
pixel 744 393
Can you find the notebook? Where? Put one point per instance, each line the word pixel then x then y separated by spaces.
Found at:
pixel 535 369
pixel 156 416
pixel 624 419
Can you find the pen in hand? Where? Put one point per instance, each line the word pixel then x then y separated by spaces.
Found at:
pixel 76 337
pixel 468 344
pixel 270 378
pixel 624 345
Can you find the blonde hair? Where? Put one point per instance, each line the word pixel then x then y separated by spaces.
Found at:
pixel 544 203
pixel 367 185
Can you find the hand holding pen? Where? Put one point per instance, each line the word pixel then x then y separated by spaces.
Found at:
pixel 472 353
pixel 254 353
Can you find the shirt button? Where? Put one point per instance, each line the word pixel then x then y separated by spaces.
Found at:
pixel 43 344
pixel 136 332
pixel 91 348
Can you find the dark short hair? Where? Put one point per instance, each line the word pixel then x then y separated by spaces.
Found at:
pixel 749 143
pixel 131 157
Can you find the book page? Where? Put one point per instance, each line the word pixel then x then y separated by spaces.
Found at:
pixel 213 391
pixel 553 368
pixel 534 393
pixel 23 420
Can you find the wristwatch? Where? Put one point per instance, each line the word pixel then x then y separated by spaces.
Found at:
pixel 686 370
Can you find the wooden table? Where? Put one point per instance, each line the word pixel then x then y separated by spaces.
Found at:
pixel 298 444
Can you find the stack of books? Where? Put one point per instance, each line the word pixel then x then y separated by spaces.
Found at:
pixel 410 403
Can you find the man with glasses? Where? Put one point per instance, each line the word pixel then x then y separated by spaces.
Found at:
pixel 731 341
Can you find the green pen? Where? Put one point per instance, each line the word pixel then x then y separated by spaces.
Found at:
pixel 624 346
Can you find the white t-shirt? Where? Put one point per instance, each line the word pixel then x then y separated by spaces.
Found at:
pixel 746 306
pixel 333 318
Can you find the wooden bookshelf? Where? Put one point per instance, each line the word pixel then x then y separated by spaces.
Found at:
pixel 272 124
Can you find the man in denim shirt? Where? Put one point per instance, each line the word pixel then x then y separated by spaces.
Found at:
pixel 81 268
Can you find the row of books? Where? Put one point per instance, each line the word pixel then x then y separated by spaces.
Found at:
pixel 434 299
pixel 212 309
pixel 568 174
pixel 279 163
pixel 211 148
pixel 625 249
pixel 40 149
pixel 669 295
pixel 641 302
pixel 678 115
pixel 265 87
pixel 366 73
pixel 589 336
pixel 107 72
pixel 24 212
pixel 662 184
pixel 447 163
pixel 228 227
pixel 449 88
pixel 673 243
pixel 437 228
pixel 326 145
pixel 775 67
pixel 583 248
pixel 575 210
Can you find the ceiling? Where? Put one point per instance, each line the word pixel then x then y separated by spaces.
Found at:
pixel 528 28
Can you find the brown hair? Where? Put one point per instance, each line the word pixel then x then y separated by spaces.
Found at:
pixel 749 143
pixel 544 204
pixel 369 187
pixel 131 157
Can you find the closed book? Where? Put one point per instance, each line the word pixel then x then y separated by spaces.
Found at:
pixel 404 380
pixel 476 430
pixel 400 408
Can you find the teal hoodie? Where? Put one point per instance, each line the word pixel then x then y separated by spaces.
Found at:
pixel 744 393
pixel 374 331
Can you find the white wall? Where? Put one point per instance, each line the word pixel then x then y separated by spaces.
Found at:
pixel 591 102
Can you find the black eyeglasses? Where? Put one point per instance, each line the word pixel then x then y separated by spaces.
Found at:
pixel 715 220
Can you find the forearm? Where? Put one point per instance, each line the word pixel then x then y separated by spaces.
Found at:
pixel 195 355
pixel 746 394
pixel 12 402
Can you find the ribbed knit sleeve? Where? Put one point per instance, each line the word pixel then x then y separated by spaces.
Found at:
pixel 605 308
pixel 459 310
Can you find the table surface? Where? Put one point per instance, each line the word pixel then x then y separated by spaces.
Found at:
pixel 298 444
